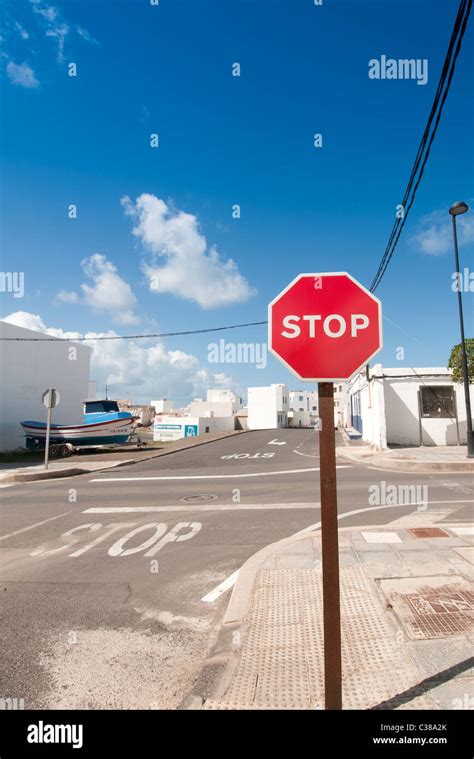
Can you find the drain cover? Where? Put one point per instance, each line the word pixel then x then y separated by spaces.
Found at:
pixel 198 498
pixel 441 608
pixel 428 532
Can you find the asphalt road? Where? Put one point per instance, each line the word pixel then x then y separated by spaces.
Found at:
pixel 110 582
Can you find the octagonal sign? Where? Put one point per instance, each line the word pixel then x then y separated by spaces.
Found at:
pixel 325 327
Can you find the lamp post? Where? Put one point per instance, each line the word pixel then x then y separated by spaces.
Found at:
pixel 456 210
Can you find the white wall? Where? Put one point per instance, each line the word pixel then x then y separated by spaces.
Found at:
pixel 27 369
pixel 402 410
pixel 390 410
pixel 372 406
pixel 302 410
pixel 268 407
pixel 162 406
pixel 174 427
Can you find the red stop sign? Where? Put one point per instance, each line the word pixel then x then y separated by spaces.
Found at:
pixel 325 327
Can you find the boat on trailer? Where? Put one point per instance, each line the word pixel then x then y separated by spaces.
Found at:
pixel 103 424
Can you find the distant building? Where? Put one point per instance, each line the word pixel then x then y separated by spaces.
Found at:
pixel 219 403
pixel 27 369
pixel 162 406
pixel 174 427
pixel 303 408
pixel 340 404
pixel 268 407
pixel 406 406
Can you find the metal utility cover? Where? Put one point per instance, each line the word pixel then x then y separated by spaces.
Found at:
pixel 428 532
pixel 432 607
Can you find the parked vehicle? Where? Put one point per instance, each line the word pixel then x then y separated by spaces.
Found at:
pixel 103 424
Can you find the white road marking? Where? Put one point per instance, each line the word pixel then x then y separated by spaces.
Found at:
pixel 309 455
pixel 213 595
pixel 32 526
pixel 276 442
pixel 198 507
pixel 212 476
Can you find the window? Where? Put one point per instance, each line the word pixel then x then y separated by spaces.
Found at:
pixel 99 407
pixel 301 409
pixel 300 397
pixel 437 401
pixel 314 408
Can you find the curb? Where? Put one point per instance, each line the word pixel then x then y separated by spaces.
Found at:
pixel 74 471
pixel 216 672
pixel 401 465
pixel 54 474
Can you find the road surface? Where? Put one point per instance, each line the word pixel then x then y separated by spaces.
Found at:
pixel 114 584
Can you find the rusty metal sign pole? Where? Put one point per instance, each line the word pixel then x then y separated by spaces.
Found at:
pixel 330 549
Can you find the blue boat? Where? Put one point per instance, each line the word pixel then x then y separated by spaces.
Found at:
pixel 103 424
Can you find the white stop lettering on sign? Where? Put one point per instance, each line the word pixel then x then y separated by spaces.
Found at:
pixel 333 325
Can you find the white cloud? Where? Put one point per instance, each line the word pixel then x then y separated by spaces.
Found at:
pixel 59 33
pixel 85 35
pixel 22 75
pixel 108 292
pixel 435 235
pixel 140 370
pixel 56 27
pixel 65 296
pixel 190 270
pixel 22 31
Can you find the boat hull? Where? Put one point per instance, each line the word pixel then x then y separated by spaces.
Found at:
pixel 99 433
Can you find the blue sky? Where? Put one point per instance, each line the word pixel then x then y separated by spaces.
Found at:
pixel 225 140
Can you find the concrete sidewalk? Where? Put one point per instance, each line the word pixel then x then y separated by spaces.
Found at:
pixel 407 603
pixel 443 458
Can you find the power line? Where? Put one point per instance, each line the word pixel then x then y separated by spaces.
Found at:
pixel 129 337
pixel 449 65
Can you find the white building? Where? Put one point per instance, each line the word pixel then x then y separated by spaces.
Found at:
pixel 407 407
pixel 340 404
pixel 163 406
pixel 268 407
pixel 303 408
pixel 176 427
pixel 219 403
pixel 27 369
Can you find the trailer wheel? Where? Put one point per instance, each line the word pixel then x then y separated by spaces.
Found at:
pixel 66 450
pixel 53 451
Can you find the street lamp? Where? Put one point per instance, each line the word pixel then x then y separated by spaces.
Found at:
pixel 456 210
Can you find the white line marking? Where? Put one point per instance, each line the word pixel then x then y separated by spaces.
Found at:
pixel 32 526
pixel 213 595
pixel 212 476
pixel 198 507
pixel 309 455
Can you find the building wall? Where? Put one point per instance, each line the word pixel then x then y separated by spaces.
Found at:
pixel 268 407
pixel 162 406
pixel 303 405
pixel 176 427
pixel 219 402
pixel 403 415
pixel 389 407
pixel 27 369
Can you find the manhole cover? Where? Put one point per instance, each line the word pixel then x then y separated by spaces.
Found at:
pixel 199 498
pixel 443 607
pixel 428 532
